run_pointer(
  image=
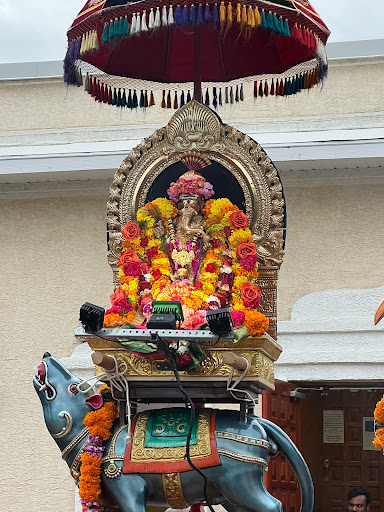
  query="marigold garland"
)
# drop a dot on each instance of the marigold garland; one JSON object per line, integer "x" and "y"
{"x": 99, "y": 424}
{"x": 378, "y": 441}
{"x": 379, "y": 411}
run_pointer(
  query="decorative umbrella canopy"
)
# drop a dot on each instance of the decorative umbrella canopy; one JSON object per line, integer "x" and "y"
{"x": 279, "y": 45}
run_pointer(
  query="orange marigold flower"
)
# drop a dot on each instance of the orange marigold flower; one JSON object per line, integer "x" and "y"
{"x": 90, "y": 480}
{"x": 379, "y": 411}
{"x": 256, "y": 323}
{"x": 99, "y": 422}
{"x": 207, "y": 207}
{"x": 379, "y": 439}
{"x": 130, "y": 315}
{"x": 126, "y": 279}
{"x": 113, "y": 319}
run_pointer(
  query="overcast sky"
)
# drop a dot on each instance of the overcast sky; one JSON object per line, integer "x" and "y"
{"x": 35, "y": 30}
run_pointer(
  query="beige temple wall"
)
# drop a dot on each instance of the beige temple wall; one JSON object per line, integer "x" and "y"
{"x": 53, "y": 259}
{"x": 335, "y": 239}
{"x": 53, "y": 255}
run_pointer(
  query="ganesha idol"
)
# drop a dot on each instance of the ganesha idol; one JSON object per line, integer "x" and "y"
{"x": 190, "y": 248}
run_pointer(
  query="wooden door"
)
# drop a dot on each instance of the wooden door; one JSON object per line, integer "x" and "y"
{"x": 285, "y": 412}
{"x": 337, "y": 467}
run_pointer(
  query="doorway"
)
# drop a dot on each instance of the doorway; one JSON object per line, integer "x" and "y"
{"x": 346, "y": 459}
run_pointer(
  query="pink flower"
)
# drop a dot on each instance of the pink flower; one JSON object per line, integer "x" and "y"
{"x": 237, "y": 318}
{"x": 118, "y": 307}
{"x": 194, "y": 321}
{"x": 248, "y": 263}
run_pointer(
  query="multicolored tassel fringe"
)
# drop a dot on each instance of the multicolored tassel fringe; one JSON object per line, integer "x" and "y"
{"x": 244, "y": 14}
{"x": 288, "y": 86}
{"x": 118, "y": 96}
{"x": 212, "y": 97}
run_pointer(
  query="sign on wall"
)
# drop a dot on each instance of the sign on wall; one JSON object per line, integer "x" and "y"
{"x": 333, "y": 426}
{"x": 368, "y": 433}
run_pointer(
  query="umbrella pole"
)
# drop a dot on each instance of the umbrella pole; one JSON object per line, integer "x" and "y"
{"x": 197, "y": 95}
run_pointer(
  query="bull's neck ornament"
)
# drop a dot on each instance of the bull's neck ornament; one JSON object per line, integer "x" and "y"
{"x": 82, "y": 435}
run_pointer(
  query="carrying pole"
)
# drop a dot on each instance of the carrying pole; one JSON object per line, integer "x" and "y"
{"x": 197, "y": 94}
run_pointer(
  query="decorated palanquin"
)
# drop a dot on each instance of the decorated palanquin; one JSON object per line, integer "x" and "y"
{"x": 196, "y": 215}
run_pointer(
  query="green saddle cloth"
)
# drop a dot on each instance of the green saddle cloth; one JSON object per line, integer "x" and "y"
{"x": 169, "y": 428}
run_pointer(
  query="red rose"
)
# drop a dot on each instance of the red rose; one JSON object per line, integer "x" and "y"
{"x": 211, "y": 267}
{"x": 119, "y": 294}
{"x": 249, "y": 293}
{"x": 131, "y": 230}
{"x": 156, "y": 274}
{"x": 239, "y": 220}
{"x": 245, "y": 249}
{"x": 128, "y": 256}
{"x": 132, "y": 269}
{"x": 253, "y": 304}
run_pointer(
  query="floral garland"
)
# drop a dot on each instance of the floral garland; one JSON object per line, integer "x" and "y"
{"x": 228, "y": 273}
{"x": 378, "y": 441}
{"x": 99, "y": 424}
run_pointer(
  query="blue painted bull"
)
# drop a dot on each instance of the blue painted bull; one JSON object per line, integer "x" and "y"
{"x": 238, "y": 483}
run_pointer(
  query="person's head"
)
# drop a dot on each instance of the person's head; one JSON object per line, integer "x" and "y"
{"x": 359, "y": 500}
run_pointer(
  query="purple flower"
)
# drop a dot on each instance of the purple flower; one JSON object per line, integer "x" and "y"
{"x": 96, "y": 440}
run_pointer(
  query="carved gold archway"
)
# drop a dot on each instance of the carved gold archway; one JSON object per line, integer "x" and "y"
{"x": 195, "y": 127}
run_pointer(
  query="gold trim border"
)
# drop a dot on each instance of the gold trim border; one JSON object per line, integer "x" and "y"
{"x": 173, "y": 491}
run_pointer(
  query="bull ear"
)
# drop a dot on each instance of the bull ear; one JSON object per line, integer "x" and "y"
{"x": 96, "y": 401}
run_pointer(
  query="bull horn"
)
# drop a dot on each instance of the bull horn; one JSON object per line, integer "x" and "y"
{"x": 380, "y": 312}
{"x": 68, "y": 427}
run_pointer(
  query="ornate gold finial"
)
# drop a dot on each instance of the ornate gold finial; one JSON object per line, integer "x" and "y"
{"x": 194, "y": 126}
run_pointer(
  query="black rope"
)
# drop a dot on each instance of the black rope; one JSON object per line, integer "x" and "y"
{"x": 167, "y": 351}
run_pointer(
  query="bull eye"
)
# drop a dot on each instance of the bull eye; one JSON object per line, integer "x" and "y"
{"x": 73, "y": 389}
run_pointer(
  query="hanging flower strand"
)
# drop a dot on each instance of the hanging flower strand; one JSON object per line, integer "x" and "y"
{"x": 99, "y": 425}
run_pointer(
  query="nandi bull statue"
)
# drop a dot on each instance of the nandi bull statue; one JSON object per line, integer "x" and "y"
{"x": 236, "y": 480}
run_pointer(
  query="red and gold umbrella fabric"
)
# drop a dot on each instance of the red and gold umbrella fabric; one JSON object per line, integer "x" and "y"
{"x": 279, "y": 45}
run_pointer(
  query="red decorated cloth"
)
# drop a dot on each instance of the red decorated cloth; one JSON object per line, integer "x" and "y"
{"x": 139, "y": 459}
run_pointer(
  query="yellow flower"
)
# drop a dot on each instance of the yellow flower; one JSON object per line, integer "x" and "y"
{"x": 154, "y": 243}
{"x": 239, "y": 236}
{"x": 220, "y": 206}
{"x": 238, "y": 281}
{"x": 133, "y": 286}
{"x": 239, "y": 307}
{"x": 166, "y": 208}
